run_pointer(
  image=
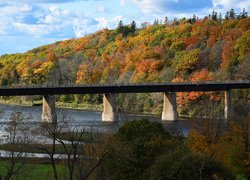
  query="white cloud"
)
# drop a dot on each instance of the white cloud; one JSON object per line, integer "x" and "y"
{"x": 100, "y": 8}
{"x": 179, "y": 7}
{"x": 11, "y": 14}
{"x": 36, "y": 30}
{"x": 56, "y": 23}
{"x": 41, "y": 1}
{"x": 36, "y": 22}
{"x": 122, "y": 2}
{"x": 109, "y": 23}
{"x": 147, "y": 6}
{"x": 14, "y": 9}
{"x": 102, "y": 22}
{"x": 228, "y": 4}
{"x": 56, "y": 16}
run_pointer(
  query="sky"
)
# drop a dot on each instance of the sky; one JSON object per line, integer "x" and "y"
{"x": 26, "y": 24}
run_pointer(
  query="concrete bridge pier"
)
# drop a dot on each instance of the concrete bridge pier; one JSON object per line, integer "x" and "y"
{"x": 169, "y": 112}
{"x": 49, "y": 110}
{"x": 228, "y": 110}
{"x": 109, "y": 108}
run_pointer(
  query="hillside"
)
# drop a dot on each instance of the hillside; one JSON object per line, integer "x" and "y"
{"x": 184, "y": 50}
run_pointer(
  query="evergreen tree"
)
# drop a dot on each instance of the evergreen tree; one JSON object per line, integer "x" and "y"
{"x": 232, "y": 14}
{"x": 126, "y": 29}
{"x": 156, "y": 22}
{"x": 227, "y": 15}
{"x": 243, "y": 14}
{"x": 220, "y": 17}
{"x": 214, "y": 16}
{"x": 193, "y": 19}
{"x": 166, "y": 20}
{"x": 120, "y": 26}
{"x": 175, "y": 21}
{"x": 133, "y": 26}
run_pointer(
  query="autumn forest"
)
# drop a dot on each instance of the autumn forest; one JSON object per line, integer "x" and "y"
{"x": 195, "y": 49}
{"x": 212, "y": 48}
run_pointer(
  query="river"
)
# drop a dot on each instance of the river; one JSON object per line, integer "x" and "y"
{"x": 90, "y": 120}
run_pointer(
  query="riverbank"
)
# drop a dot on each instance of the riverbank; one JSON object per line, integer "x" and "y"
{"x": 73, "y": 106}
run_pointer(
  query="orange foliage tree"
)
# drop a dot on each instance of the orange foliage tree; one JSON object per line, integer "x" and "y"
{"x": 208, "y": 137}
{"x": 147, "y": 70}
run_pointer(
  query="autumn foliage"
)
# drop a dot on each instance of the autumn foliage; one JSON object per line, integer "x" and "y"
{"x": 200, "y": 50}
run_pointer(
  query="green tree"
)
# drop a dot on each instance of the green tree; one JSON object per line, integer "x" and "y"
{"x": 227, "y": 15}
{"x": 143, "y": 150}
{"x": 133, "y": 26}
{"x": 134, "y": 149}
{"x": 186, "y": 61}
{"x": 126, "y": 29}
{"x": 220, "y": 17}
{"x": 156, "y": 22}
{"x": 243, "y": 45}
{"x": 232, "y": 14}
{"x": 243, "y": 14}
{"x": 181, "y": 164}
{"x": 165, "y": 20}
{"x": 193, "y": 19}
{"x": 120, "y": 26}
{"x": 214, "y": 16}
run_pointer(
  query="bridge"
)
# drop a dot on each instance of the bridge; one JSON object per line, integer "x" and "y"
{"x": 109, "y": 90}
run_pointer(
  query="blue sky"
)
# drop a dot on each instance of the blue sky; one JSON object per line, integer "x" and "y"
{"x": 26, "y": 24}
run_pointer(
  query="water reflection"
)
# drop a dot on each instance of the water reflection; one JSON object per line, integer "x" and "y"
{"x": 4, "y": 153}
{"x": 89, "y": 120}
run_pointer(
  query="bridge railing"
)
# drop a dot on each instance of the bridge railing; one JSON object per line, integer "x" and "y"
{"x": 124, "y": 84}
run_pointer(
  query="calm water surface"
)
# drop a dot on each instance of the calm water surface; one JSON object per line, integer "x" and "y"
{"x": 90, "y": 120}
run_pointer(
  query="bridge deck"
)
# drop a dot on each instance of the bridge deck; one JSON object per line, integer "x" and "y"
{"x": 124, "y": 88}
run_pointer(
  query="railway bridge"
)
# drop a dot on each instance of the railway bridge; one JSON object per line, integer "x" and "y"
{"x": 169, "y": 91}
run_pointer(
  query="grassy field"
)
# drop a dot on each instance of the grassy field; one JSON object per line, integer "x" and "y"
{"x": 36, "y": 172}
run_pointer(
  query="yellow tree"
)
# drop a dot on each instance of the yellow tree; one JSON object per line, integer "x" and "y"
{"x": 209, "y": 137}
{"x": 186, "y": 61}
{"x": 239, "y": 139}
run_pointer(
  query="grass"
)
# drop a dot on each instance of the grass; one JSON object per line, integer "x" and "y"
{"x": 14, "y": 101}
{"x": 81, "y": 106}
{"x": 241, "y": 177}
{"x": 35, "y": 171}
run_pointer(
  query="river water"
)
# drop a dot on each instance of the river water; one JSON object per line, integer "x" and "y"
{"x": 89, "y": 120}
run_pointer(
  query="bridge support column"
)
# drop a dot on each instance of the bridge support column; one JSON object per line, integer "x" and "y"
{"x": 169, "y": 112}
{"x": 109, "y": 108}
{"x": 49, "y": 110}
{"x": 228, "y": 110}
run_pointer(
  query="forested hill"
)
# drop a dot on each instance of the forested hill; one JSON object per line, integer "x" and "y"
{"x": 181, "y": 50}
